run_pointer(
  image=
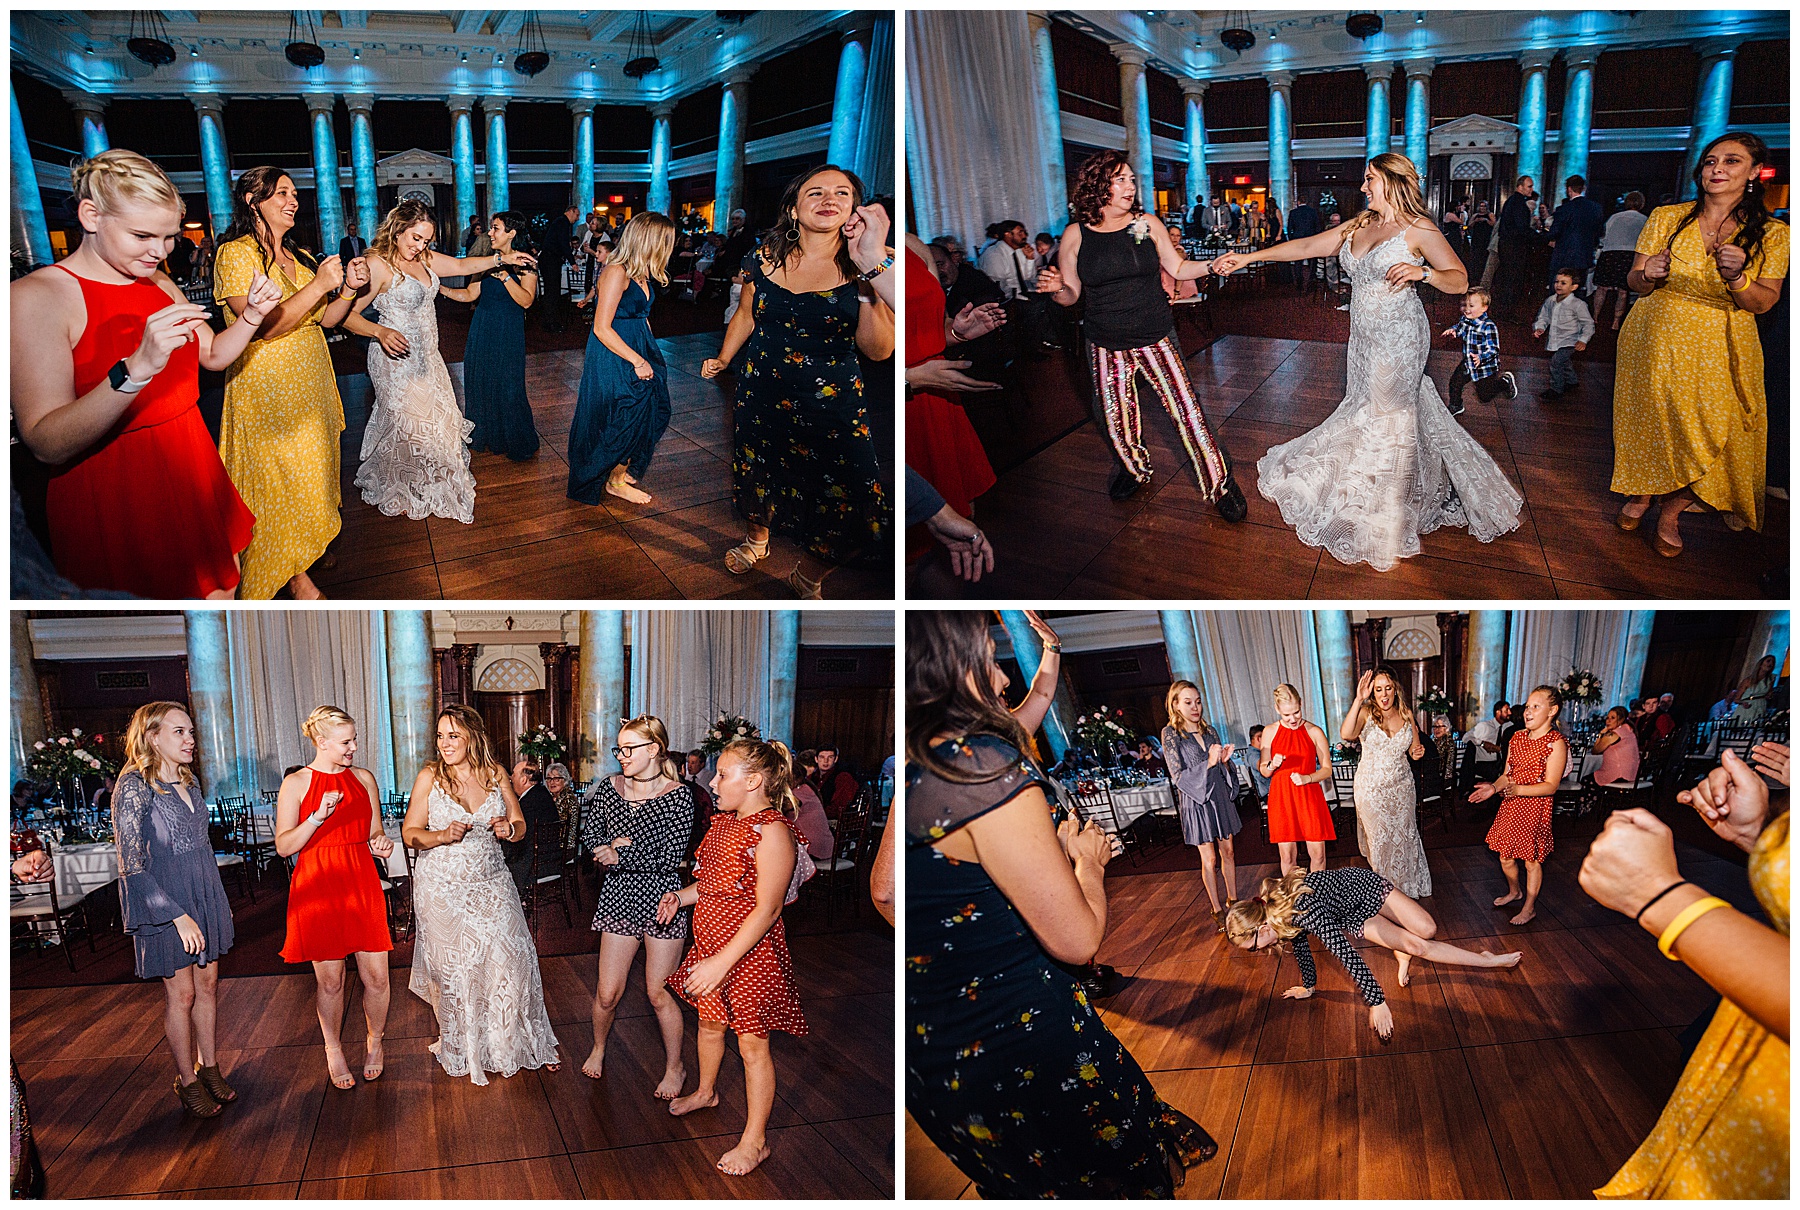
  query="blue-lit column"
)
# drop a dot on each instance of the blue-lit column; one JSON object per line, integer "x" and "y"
{"x": 29, "y": 228}
{"x": 1487, "y": 660}
{"x": 1630, "y": 680}
{"x": 1193, "y": 95}
{"x": 209, "y": 701}
{"x": 1134, "y": 93}
{"x": 1028, "y": 650}
{"x": 27, "y": 707}
{"x": 662, "y": 140}
{"x": 734, "y": 128}
{"x": 462, "y": 157}
{"x": 328, "y": 192}
{"x": 1049, "y": 105}
{"x": 847, "y": 102}
{"x": 1418, "y": 117}
{"x": 1577, "y": 120}
{"x": 90, "y": 111}
{"x": 362, "y": 163}
{"x": 784, "y": 674}
{"x": 582, "y": 193}
{"x": 1712, "y": 105}
{"x": 602, "y": 689}
{"x": 1534, "y": 104}
{"x": 1180, "y": 644}
{"x": 1378, "y": 123}
{"x": 410, "y": 691}
{"x": 1337, "y": 666}
{"x": 499, "y": 196}
{"x": 215, "y": 161}
{"x": 1281, "y": 138}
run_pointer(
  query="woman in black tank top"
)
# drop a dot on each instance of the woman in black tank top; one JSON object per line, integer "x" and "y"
{"x": 1114, "y": 253}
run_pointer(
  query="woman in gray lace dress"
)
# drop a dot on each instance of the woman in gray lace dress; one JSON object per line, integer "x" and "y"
{"x": 1390, "y": 464}
{"x": 169, "y": 890}
{"x": 1200, "y": 768}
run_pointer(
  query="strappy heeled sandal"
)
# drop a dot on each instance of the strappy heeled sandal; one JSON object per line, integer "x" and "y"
{"x": 805, "y": 589}
{"x": 216, "y": 1087}
{"x": 196, "y": 1100}
{"x": 745, "y": 555}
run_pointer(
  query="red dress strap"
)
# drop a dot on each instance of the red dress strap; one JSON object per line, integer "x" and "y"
{"x": 116, "y": 315}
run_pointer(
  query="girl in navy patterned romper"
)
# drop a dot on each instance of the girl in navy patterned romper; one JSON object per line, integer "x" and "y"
{"x": 803, "y": 458}
{"x": 1337, "y": 906}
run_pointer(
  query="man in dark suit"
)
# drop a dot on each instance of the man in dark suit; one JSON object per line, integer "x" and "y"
{"x": 1303, "y": 220}
{"x": 554, "y": 255}
{"x": 543, "y": 827}
{"x": 352, "y": 245}
{"x": 1575, "y": 232}
{"x": 1516, "y": 238}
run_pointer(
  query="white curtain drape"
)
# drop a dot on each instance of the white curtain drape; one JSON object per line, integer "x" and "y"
{"x": 688, "y": 665}
{"x": 283, "y": 664}
{"x": 1545, "y": 644}
{"x": 1244, "y": 654}
{"x": 874, "y": 161}
{"x": 973, "y": 132}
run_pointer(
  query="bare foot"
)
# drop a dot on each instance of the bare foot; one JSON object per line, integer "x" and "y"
{"x": 670, "y": 1088}
{"x": 1405, "y": 960}
{"x": 1509, "y": 897}
{"x": 742, "y": 1159}
{"x": 374, "y": 1059}
{"x": 621, "y": 487}
{"x": 596, "y": 1063}
{"x": 339, "y": 1067}
{"x": 697, "y": 1099}
{"x": 1525, "y": 916}
{"x": 1508, "y": 960}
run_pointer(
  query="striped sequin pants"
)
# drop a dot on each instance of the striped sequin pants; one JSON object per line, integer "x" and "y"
{"x": 1115, "y": 388}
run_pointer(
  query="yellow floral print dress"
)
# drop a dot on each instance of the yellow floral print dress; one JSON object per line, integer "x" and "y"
{"x": 279, "y": 435}
{"x": 1688, "y": 402}
{"x": 1724, "y": 1132}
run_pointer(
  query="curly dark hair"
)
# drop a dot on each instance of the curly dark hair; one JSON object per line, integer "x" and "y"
{"x": 1750, "y": 214}
{"x": 1093, "y": 185}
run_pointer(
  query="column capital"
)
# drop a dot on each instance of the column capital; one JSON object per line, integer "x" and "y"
{"x": 1037, "y": 19}
{"x": 1128, "y": 55}
{"x": 495, "y": 103}
{"x": 861, "y": 25}
{"x": 581, "y": 107}
{"x": 1419, "y": 67}
{"x": 1378, "y": 71}
{"x": 208, "y": 102}
{"x": 662, "y": 109}
{"x": 459, "y": 105}
{"x": 359, "y": 102}
{"x": 740, "y": 74}
{"x": 1536, "y": 59}
{"x": 1718, "y": 48}
{"x": 1194, "y": 88}
{"x": 1580, "y": 56}
{"x": 319, "y": 102}
{"x": 85, "y": 102}
{"x": 1279, "y": 79}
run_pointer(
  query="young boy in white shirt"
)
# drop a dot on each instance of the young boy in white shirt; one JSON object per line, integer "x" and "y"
{"x": 1569, "y": 325}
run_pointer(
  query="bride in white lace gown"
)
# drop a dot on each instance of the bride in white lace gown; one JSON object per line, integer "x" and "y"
{"x": 474, "y": 959}
{"x": 1390, "y": 463}
{"x": 1387, "y": 817}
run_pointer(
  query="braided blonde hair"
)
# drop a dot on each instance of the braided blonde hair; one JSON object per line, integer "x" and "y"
{"x": 115, "y": 179}
{"x": 323, "y": 719}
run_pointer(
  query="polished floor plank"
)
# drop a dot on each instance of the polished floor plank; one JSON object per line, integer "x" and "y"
{"x": 1672, "y": 992}
{"x": 546, "y": 1178}
{"x": 1199, "y": 1014}
{"x": 930, "y": 1176}
{"x": 845, "y": 1066}
{"x": 1333, "y": 1023}
{"x": 801, "y": 1164}
{"x": 60, "y": 1094}
{"x": 115, "y": 1019}
{"x": 866, "y": 1142}
{"x": 285, "y": 1191}
{"x": 1215, "y": 1098}
{"x": 1559, "y": 989}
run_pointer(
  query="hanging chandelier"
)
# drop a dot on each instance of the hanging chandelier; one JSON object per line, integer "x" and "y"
{"x": 641, "y": 57}
{"x": 1363, "y": 25}
{"x": 1236, "y": 35}
{"x": 150, "y": 43}
{"x": 535, "y": 56}
{"x": 304, "y": 53}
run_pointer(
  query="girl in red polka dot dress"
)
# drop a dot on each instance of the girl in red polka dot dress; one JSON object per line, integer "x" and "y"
{"x": 738, "y": 974}
{"x": 1535, "y": 760}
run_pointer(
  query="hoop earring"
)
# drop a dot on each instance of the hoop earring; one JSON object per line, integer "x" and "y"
{"x": 792, "y": 235}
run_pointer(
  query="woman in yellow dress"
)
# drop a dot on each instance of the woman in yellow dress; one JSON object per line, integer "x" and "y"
{"x": 1690, "y": 420}
{"x": 283, "y": 415}
{"x": 1724, "y": 1131}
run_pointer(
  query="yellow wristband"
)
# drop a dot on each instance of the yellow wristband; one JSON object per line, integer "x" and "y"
{"x": 1745, "y": 278}
{"x": 1679, "y": 925}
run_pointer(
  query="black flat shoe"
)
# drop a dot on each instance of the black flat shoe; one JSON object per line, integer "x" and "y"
{"x": 1231, "y": 503}
{"x": 1121, "y": 486}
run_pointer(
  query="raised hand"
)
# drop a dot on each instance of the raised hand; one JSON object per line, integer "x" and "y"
{"x": 1275, "y": 761}
{"x": 973, "y": 322}
{"x": 328, "y": 802}
{"x": 1049, "y": 281}
{"x": 356, "y": 273}
{"x": 382, "y": 846}
{"x": 1364, "y": 685}
{"x": 1771, "y": 759}
{"x": 1732, "y": 800}
{"x": 1657, "y": 267}
{"x": 1731, "y": 260}
{"x": 1041, "y": 628}
{"x": 331, "y": 273}
{"x": 1632, "y": 860}
{"x": 865, "y": 235}
{"x": 263, "y": 295}
{"x": 164, "y": 332}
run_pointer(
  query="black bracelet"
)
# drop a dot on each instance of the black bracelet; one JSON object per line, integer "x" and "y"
{"x": 1639, "y": 918}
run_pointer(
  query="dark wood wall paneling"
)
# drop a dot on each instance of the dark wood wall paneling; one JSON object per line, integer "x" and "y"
{"x": 1484, "y": 86}
{"x": 72, "y": 694}
{"x": 1133, "y": 679}
{"x": 1759, "y": 83}
{"x": 694, "y": 126}
{"x": 1087, "y": 75}
{"x": 845, "y": 696}
{"x": 1237, "y": 111}
{"x": 1653, "y": 86}
{"x": 1168, "y": 108}
{"x": 50, "y": 123}
{"x": 795, "y": 89}
{"x": 1696, "y": 654}
{"x": 1328, "y": 104}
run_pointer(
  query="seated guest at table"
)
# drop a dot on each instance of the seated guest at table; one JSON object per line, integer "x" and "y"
{"x": 1147, "y": 759}
{"x": 815, "y": 825}
{"x": 1755, "y": 692}
{"x": 1617, "y": 748}
{"x": 1646, "y": 722}
{"x": 1665, "y": 716}
{"x": 103, "y": 796}
{"x": 1724, "y": 706}
{"x": 836, "y": 785}
{"x": 173, "y": 902}
{"x": 1445, "y": 743}
{"x": 1485, "y": 749}
{"x": 568, "y": 805}
{"x": 543, "y": 828}
{"x": 1199, "y": 766}
{"x": 326, "y": 820}
{"x": 639, "y": 830}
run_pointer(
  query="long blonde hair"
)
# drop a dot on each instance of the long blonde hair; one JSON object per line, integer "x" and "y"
{"x": 652, "y": 729}
{"x": 140, "y": 757}
{"x": 481, "y": 749}
{"x": 644, "y": 247}
{"x": 1176, "y": 721}
{"x": 409, "y": 213}
{"x": 323, "y": 719}
{"x": 772, "y": 759}
{"x": 1276, "y": 905}
{"x": 114, "y": 179}
{"x": 1400, "y": 180}
{"x": 1400, "y": 706}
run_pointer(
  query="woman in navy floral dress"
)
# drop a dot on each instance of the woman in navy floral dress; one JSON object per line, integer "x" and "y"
{"x": 803, "y": 458}
{"x": 1009, "y": 1069}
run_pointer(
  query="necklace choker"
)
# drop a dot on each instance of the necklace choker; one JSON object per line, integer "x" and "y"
{"x": 652, "y": 777}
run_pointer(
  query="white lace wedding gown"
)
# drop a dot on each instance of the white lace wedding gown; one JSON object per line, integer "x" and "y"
{"x": 415, "y": 452}
{"x": 1390, "y": 463}
{"x": 474, "y": 960}
{"x": 1387, "y": 817}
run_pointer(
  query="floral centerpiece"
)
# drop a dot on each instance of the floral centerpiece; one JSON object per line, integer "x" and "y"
{"x": 1435, "y": 701}
{"x": 543, "y": 746}
{"x": 62, "y": 757}
{"x": 1580, "y": 685}
{"x": 1100, "y": 729}
{"x": 727, "y": 728}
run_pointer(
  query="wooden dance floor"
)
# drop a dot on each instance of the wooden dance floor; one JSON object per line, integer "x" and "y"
{"x": 1056, "y": 533}
{"x": 1532, "y": 1083}
{"x": 530, "y": 541}
{"x": 107, "y": 1124}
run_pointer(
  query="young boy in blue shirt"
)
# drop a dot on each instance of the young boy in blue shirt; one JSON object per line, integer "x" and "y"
{"x": 1480, "y": 362}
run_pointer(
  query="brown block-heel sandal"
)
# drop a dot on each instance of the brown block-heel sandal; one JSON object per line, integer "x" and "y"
{"x": 214, "y": 1082}
{"x": 196, "y": 1100}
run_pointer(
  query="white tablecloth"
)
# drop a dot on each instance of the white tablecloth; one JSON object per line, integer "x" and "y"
{"x": 82, "y": 869}
{"x": 396, "y": 861}
{"x": 1134, "y": 802}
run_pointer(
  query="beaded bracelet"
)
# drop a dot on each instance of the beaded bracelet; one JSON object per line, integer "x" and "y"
{"x": 878, "y": 270}
{"x": 1679, "y": 925}
{"x": 1639, "y": 918}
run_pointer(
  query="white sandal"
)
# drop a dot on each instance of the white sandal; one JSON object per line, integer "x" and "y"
{"x": 745, "y": 555}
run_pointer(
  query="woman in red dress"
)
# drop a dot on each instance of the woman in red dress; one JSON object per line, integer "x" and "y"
{"x": 1535, "y": 760}
{"x": 940, "y": 442}
{"x": 1296, "y": 759}
{"x": 739, "y": 974}
{"x": 106, "y": 357}
{"x": 325, "y": 814}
